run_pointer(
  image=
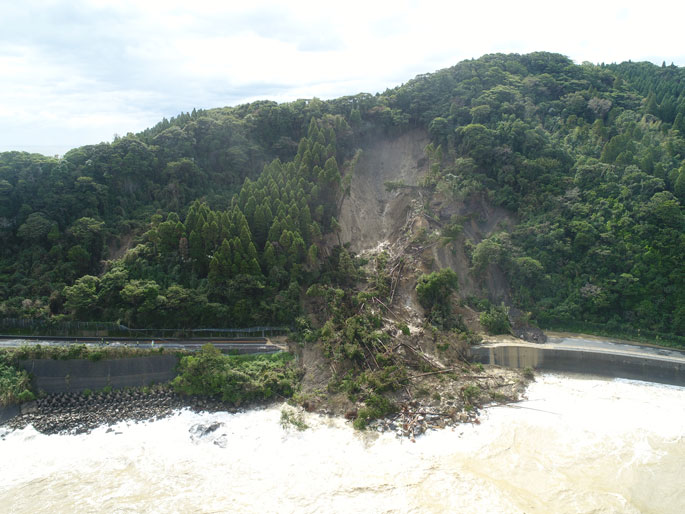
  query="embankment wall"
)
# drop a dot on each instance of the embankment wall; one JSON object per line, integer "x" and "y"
{"x": 76, "y": 375}
{"x": 578, "y": 361}
{"x": 8, "y": 412}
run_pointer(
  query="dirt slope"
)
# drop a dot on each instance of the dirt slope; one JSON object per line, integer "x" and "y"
{"x": 370, "y": 215}
{"x": 407, "y": 222}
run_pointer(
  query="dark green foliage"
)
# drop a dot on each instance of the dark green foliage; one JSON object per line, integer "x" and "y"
{"x": 237, "y": 379}
{"x": 435, "y": 295}
{"x": 587, "y": 159}
{"x": 241, "y": 266}
{"x": 436, "y": 287}
{"x": 232, "y": 261}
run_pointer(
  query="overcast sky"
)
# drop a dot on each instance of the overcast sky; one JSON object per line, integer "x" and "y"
{"x": 76, "y": 72}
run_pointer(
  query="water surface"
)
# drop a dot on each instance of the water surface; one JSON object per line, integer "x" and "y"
{"x": 576, "y": 445}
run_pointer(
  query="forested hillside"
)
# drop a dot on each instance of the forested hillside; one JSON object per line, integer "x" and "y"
{"x": 226, "y": 217}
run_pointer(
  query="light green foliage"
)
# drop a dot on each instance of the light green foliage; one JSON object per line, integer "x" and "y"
{"x": 496, "y": 320}
{"x": 470, "y": 394}
{"x": 15, "y": 385}
{"x": 679, "y": 185}
{"x": 82, "y": 296}
{"x": 492, "y": 250}
{"x": 354, "y": 340}
{"x": 75, "y": 351}
{"x": 451, "y": 231}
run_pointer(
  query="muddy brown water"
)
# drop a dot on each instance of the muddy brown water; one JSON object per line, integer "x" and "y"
{"x": 577, "y": 444}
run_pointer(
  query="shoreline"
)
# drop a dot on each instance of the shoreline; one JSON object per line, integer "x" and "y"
{"x": 79, "y": 413}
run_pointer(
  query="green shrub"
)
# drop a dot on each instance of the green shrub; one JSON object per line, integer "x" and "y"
{"x": 77, "y": 351}
{"x": 236, "y": 379}
{"x": 96, "y": 355}
{"x": 496, "y": 320}
{"x": 435, "y": 295}
{"x": 15, "y": 385}
{"x": 470, "y": 393}
{"x": 437, "y": 287}
{"x": 376, "y": 407}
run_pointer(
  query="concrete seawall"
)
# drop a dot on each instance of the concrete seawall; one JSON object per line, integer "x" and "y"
{"x": 636, "y": 367}
{"x": 76, "y": 375}
{"x": 8, "y": 412}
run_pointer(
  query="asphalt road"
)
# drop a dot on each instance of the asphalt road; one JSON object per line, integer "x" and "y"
{"x": 600, "y": 344}
{"x": 251, "y": 345}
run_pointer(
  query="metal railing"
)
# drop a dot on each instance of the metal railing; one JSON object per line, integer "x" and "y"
{"x": 21, "y": 326}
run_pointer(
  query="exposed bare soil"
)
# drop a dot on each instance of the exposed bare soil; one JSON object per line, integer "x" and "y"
{"x": 118, "y": 247}
{"x": 371, "y": 215}
{"x": 407, "y": 222}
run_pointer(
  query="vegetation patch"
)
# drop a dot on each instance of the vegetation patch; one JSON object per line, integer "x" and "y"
{"x": 225, "y": 217}
{"x": 496, "y": 320}
{"x": 237, "y": 379}
{"x": 435, "y": 291}
{"x": 79, "y": 351}
{"x": 15, "y": 384}
{"x": 292, "y": 418}
{"x": 377, "y": 406}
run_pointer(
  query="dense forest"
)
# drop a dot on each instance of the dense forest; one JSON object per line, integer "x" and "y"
{"x": 226, "y": 217}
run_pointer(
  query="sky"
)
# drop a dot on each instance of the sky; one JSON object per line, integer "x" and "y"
{"x": 77, "y": 72}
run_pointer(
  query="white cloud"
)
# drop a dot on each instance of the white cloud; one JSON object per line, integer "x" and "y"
{"x": 77, "y": 72}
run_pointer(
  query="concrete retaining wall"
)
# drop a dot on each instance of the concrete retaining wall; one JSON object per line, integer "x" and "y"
{"x": 579, "y": 361}
{"x": 75, "y": 375}
{"x": 7, "y": 413}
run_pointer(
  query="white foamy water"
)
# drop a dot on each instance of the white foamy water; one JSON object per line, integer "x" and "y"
{"x": 576, "y": 445}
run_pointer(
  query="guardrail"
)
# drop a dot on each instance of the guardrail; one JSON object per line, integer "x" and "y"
{"x": 19, "y": 326}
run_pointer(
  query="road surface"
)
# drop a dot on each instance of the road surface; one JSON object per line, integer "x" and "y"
{"x": 243, "y": 345}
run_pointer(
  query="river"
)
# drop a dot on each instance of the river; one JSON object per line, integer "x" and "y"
{"x": 577, "y": 444}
